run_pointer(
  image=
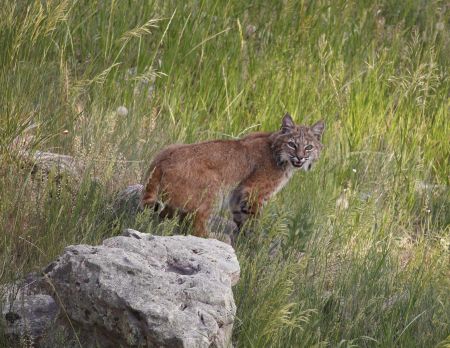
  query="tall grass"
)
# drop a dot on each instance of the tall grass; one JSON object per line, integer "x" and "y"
{"x": 362, "y": 242}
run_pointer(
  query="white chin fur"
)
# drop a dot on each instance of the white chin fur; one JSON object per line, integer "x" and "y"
{"x": 307, "y": 166}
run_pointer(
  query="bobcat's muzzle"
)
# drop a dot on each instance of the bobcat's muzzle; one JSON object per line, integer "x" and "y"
{"x": 298, "y": 162}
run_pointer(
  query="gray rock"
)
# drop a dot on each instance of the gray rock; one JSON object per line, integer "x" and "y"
{"x": 222, "y": 229}
{"x": 62, "y": 165}
{"x": 26, "y": 313}
{"x": 143, "y": 290}
{"x": 127, "y": 201}
{"x": 29, "y": 316}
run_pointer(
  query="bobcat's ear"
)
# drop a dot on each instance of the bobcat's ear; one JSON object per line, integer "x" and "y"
{"x": 318, "y": 129}
{"x": 287, "y": 123}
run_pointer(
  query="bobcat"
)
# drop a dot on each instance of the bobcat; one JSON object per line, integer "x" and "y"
{"x": 188, "y": 178}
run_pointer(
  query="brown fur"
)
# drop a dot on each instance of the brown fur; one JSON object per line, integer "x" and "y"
{"x": 189, "y": 178}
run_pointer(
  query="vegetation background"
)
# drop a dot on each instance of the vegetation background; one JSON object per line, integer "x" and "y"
{"x": 363, "y": 239}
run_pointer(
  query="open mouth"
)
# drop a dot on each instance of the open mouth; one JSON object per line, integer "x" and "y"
{"x": 296, "y": 162}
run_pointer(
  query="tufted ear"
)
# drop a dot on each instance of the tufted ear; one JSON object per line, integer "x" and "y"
{"x": 287, "y": 123}
{"x": 318, "y": 129}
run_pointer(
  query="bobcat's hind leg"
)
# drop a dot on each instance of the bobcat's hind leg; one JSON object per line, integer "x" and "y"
{"x": 149, "y": 197}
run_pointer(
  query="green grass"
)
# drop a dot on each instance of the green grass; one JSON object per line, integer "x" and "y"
{"x": 364, "y": 238}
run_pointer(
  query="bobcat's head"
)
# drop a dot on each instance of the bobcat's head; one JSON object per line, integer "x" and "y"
{"x": 297, "y": 146}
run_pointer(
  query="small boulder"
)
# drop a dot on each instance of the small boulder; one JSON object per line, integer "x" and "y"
{"x": 127, "y": 201}
{"x": 27, "y": 313}
{"x": 144, "y": 290}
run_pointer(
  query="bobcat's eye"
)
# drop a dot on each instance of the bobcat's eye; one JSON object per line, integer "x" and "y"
{"x": 292, "y": 145}
{"x": 308, "y": 147}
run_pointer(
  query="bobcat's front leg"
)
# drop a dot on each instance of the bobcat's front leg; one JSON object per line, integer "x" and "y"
{"x": 200, "y": 219}
{"x": 243, "y": 205}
